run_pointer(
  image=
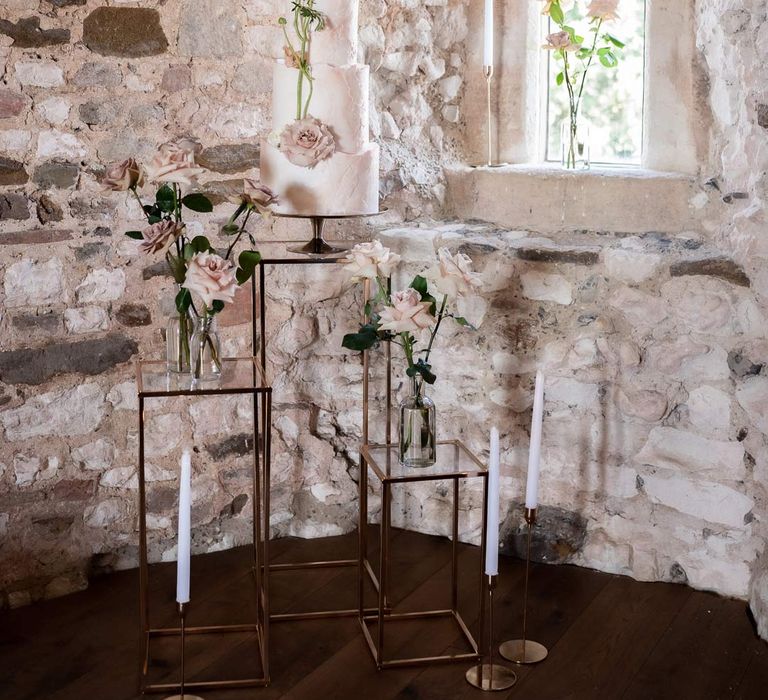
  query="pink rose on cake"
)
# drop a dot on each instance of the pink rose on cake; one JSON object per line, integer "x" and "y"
{"x": 212, "y": 278}
{"x": 306, "y": 142}
{"x": 175, "y": 162}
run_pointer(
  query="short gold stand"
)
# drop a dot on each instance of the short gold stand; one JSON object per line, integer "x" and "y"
{"x": 524, "y": 651}
{"x": 491, "y": 676}
{"x": 488, "y": 72}
{"x": 318, "y": 245}
{"x": 182, "y": 617}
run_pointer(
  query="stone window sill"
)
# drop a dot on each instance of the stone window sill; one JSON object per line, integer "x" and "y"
{"x": 547, "y": 198}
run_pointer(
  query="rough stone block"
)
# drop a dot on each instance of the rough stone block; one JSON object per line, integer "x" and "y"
{"x": 211, "y": 28}
{"x": 230, "y": 159}
{"x": 133, "y": 315}
{"x": 542, "y": 286}
{"x": 28, "y": 283}
{"x": 14, "y": 206}
{"x": 558, "y": 536}
{"x": 88, "y": 319}
{"x": 95, "y": 74}
{"x": 101, "y": 285}
{"x": 88, "y": 357}
{"x": 12, "y": 172}
{"x": 11, "y": 104}
{"x": 34, "y": 236}
{"x": 76, "y": 411}
{"x": 176, "y": 79}
{"x": 44, "y": 74}
{"x": 723, "y": 268}
{"x": 56, "y": 174}
{"x": 27, "y": 34}
{"x": 60, "y": 145}
{"x": 125, "y": 31}
{"x": 47, "y": 210}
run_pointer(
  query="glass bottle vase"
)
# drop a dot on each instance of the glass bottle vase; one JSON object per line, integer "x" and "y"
{"x": 206, "y": 349}
{"x": 417, "y": 434}
{"x": 178, "y": 334}
{"x": 574, "y": 144}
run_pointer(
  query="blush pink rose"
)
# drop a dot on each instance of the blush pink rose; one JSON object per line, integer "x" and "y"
{"x": 158, "y": 237}
{"x": 605, "y": 10}
{"x": 454, "y": 276}
{"x": 408, "y": 314}
{"x": 212, "y": 278}
{"x": 370, "y": 261}
{"x": 175, "y": 162}
{"x": 561, "y": 41}
{"x": 120, "y": 177}
{"x": 306, "y": 142}
{"x": 256, "y": 195}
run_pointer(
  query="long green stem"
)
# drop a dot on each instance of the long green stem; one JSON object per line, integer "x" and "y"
{"x": 589, "y": 63}
{"x": 240, "y": 233}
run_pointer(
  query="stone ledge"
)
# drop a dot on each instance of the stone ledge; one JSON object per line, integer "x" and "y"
{"x": 548, "y": 199}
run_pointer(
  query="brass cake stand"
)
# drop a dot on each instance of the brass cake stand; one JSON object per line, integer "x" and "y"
{"x": 318, "y": 245}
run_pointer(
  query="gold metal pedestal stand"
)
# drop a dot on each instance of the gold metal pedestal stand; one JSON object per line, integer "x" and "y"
{"x": 183, "y": 626}
{"x": 491, "y": 676}
{"x": 525, "y": 651}
{"x": 318, "y": 245}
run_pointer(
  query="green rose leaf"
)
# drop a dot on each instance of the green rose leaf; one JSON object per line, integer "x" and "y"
{"x": 166, "y": 199}
{"x": 618, "y": 43}
{"x": 247, "y": 263}
{"x": 366, "y": 338}
{"x": 230, "y": 229}
{"x": 183, "y": 301}
{"x": 609, "y": 59}
{"x": 420, "y": 285}
{"x": 463, "y": 322}
{"x": 424, "y": 370}
{"x": 559, "y": 78}
{"x": 136, "y": 235}
{"x": 556, "y": 13}
{"x": 200, "y": 244}
{"x": 217, "y": 306}
{"x": 198, "y": 202}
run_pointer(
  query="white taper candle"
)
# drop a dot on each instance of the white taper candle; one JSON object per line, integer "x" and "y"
{"x": 534, "y": 452}
{"x": 492, "y": 535}
{"x": 488, "y": 34}
{"x": 185, "y": 529}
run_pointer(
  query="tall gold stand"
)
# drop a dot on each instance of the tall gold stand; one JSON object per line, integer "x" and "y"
{"x": 183, "y": 626}
{"x": 491, "y": 676}
{"x": 525, "y": 651}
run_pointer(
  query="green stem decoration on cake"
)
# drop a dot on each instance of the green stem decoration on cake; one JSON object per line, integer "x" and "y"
{"x": 306, "y": 19}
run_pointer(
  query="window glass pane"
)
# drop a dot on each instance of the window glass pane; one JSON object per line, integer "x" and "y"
{"x": 612, "y": 100}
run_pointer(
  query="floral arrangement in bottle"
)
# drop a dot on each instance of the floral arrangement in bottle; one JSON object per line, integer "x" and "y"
{"x": 306, "y": 141}
{"x": 412, "y": 319}
{"x": 575, "y": 51}
{"x": 196, "y": 267}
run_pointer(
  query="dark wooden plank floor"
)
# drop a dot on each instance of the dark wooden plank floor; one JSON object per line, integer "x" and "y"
{"x": 609, "y": 637}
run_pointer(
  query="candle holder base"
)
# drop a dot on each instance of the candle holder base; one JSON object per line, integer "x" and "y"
{"x": 186, "y": 696}
{"x": 523, "y": 651}
{"x": 491, "y": 677}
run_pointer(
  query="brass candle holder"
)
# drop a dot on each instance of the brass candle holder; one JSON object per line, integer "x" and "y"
{"x": 183, "y": 625}
{"x": 489, "y": 163}
{"x": 491, "y": 676}
{"x": 525, "y": 651}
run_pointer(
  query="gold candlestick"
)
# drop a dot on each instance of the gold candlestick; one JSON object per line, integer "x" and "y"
{"x": 182, "y": 618}
{"x": 489, "y": 162}
{"x": 525, "y": 651}
{"x": 491, "y": 676}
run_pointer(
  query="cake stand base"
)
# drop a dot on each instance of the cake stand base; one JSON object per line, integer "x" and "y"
{"x": 318, "y": 246}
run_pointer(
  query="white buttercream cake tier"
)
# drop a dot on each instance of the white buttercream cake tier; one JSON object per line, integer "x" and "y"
{"x": 337, "y": 43}
{"x": 345, "y": 184}
{"x": 339, "y": 100}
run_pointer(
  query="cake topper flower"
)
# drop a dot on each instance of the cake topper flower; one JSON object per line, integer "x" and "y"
{"x": 306, "y": 142}
{"x": 306, "y": 19}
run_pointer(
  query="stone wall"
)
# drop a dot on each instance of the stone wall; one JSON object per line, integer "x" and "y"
{"x": 84, "y": 83}
{"x": 652, "y": 333}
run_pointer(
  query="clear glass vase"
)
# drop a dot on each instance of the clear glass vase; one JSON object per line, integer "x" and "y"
{"x": 178, "y": 335}
{"x": 574, "y": 144}
{"x": 206, "y": 349}
{"x": 417, "y": 436}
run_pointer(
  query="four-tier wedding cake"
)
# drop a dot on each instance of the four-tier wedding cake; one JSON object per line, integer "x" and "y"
{"x": 319, "y": 159}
